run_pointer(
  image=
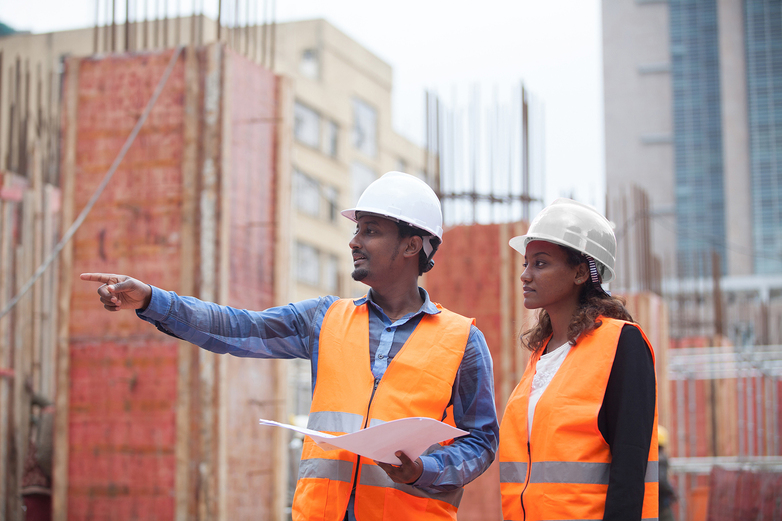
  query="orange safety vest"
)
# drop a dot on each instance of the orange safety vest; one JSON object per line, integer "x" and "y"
{"x": 561, "y": 472}
{"x": 418, "y": 382}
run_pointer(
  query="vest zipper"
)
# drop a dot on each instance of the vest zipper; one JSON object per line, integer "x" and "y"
{"x": 366, "y": 422}
{"x": 526, "y": 480}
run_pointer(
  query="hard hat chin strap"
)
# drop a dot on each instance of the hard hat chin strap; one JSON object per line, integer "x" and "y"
{"x": 427, "y": 246}
{"x": 595, "y": 276}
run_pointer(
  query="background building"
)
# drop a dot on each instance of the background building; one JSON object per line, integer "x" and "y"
{"x": 694, "y": 184}
{"x": 692, "y": 119}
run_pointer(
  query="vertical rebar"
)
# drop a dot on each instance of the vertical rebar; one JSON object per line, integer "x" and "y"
{"x": 96, "y": 32}
{"x": 219, "y": 19}
{"x": 113, "y": 25}
{"x": 165, "y": 24}
{"x": 235, "y": 27}
{"x": 146, "y": 24}
{"x": 273, "y": 34}
{"x": 107, "y": 29}
{"x": 246, "y": 32}
{"x": 127, "y": 25}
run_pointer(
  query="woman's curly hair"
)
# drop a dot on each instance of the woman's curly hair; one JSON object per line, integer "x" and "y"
{"x": 593, "y": 302}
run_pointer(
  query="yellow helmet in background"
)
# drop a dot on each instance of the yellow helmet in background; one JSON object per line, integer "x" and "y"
{"x": 662, "y": 436}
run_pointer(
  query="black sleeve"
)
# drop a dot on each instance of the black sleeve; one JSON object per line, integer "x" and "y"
{"x": 626, "y": 421}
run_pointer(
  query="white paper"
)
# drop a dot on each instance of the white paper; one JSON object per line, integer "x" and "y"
{"x": 410, "y": 435}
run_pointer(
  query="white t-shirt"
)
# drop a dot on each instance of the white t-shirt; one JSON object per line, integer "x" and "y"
{"x": 547, "y": 367}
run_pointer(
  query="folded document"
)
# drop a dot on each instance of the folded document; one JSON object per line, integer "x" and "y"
{"x": 410, "y": 435}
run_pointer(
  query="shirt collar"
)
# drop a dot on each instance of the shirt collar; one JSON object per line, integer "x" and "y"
{"x": 427, "y": 307}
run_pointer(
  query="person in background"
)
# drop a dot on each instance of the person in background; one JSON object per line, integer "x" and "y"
{"x": 578, "y": 438}
{"x": 390, "y": 354}
{"x": 667, "y": 493}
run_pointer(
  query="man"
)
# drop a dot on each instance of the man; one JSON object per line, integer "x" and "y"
{"x": 390, "y": 354}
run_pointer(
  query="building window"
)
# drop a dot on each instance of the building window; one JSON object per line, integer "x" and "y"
{"x": 330, "y": 133}
{"x": 306, "y": 194}
{"x": 361, "y": 176}
{"x": 331, "y": 196}
{"x": 306, "y": 125}
{"x": 401, "y": 165}
{"x": 314, "y": 198}
{"x": 307, "y": 129}
{"x": 331, "y": 274}
{"x": 317, "y": 268}
{"x": 307, "y": 264}
{"x": 364, "y": 128}
{"x": 309, "y": 66}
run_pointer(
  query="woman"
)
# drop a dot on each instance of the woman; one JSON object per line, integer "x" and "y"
{"x": 578, "y": 437}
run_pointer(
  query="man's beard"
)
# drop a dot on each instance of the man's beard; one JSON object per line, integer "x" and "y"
{"x": 359, "y": 274}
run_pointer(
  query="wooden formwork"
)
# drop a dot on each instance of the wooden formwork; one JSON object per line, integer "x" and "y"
{"x": 29, "y": 220}
{"x": 193, "y": 208}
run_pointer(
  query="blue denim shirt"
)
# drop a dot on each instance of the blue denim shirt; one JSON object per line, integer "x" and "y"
{"x": 293, "y": 331}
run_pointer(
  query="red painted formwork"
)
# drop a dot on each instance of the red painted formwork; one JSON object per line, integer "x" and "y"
{"x": 743, "y": 495}
{"x": 123, "y": 380}
{"x": 467, "y": 279}
{"x": 124, "y": 373}
{"x": 251, "y": 392}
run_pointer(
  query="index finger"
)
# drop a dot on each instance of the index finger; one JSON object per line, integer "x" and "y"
{"x": 105, "y": 278}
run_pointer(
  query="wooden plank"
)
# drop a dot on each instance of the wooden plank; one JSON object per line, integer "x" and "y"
{"x": 507, "y": 344}
{"x": 188, "y": 252}
{"x": 62, "y": 399}
{"x": 524, "y": 318}
{"x": 37, "y": 259}
{"x": 208, "y": 276}
{"x": 283, "y": 283}
{"x": 224, "y": 267}
{"x": 6, "y": 238}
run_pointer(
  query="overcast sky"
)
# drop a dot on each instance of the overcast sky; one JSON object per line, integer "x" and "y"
{"x": 553, "y": 46}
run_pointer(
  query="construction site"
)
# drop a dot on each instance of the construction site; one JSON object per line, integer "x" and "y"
{"x": 211, "y": 157}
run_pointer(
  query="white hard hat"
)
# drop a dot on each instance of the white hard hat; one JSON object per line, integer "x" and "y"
{"x": 401, "y": 197}
{"x": 569, "y": 223}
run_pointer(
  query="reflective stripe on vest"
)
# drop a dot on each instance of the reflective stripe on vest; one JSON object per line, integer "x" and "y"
{"x": 565, "y": 472}
{"x": 374, "y": 476}
{"x": 418, "y": 382}
{"x": 567, "y": 477}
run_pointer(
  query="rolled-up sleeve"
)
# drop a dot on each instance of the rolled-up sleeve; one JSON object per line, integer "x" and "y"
{"x": 474, "y": 410}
